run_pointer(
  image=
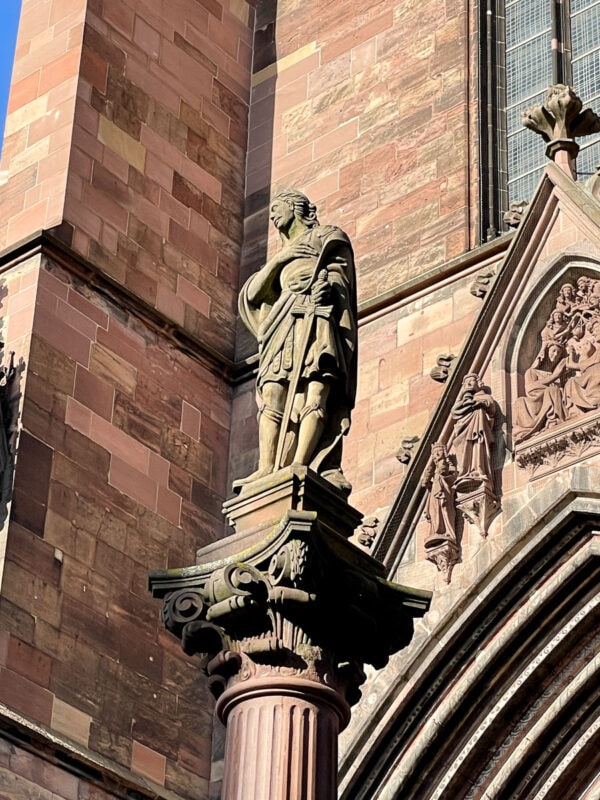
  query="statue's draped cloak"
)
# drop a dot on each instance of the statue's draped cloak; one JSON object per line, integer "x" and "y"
{"x": 297, "y": 345}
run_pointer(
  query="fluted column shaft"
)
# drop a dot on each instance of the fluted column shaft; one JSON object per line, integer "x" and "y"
{"x": 281, "y": 741}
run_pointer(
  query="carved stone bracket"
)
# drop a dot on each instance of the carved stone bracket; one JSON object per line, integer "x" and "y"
{"x": 515, "y": 213}
{"x": 478, "y": 507}
{"x": 482, "y": 283}
{"x": 441, "y": 370}
{"x": 297, "y": 599}
{"x": 405, "y": 451}
{"x": 444, "y": 556}
{"x": 368, "y": 531}
{"x": 568, "y": 443}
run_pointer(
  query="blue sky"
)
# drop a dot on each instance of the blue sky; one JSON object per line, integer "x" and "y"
{"x": 8, "y": 35}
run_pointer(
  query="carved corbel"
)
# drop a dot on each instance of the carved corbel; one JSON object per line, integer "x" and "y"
{"x": 405, "y": 451}
{"x": 441, "y": 371}
{"x": 368, "y": 531}
{"x": 482, "y": 283}
{"x": 478, "y": 507}
{"x": 444, "y": 556}
{"x": 515, "y": 213}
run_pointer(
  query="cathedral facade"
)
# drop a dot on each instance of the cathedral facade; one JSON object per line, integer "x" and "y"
{"x": 145, "y": 142}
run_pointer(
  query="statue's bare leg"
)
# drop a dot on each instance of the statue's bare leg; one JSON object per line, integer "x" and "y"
{"x": 312, "y": 422}
{"x": 269, "y": 427}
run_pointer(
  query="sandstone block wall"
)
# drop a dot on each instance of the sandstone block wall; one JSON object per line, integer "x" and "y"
{"x": 120, "y": 470}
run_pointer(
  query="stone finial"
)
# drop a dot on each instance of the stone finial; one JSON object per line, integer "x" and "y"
{"x": 515, "y": 213}
{"x": 558, "y": 120}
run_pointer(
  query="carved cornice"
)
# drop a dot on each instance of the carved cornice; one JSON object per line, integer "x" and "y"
{"x": 46, "y": 243}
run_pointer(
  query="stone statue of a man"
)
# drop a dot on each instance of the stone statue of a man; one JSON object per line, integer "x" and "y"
{"x": 301, "y": 307}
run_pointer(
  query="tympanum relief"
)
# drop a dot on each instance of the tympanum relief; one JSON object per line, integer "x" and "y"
{"x": 562, "y": 383}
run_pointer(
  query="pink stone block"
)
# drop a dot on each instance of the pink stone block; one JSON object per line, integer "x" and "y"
{"x": 133, "y": 483}
{"x": 148, "y": 762}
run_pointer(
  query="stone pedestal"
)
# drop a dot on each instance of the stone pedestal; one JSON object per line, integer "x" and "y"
{"x": 285, "y": 613}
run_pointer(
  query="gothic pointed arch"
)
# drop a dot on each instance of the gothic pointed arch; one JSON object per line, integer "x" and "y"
{"x": 503, "y": 699}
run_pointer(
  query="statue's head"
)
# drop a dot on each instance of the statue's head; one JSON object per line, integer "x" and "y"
{"x": 567, "y": 291}
{"x": 472, "y": 382}
{"x": 299, "y": 205}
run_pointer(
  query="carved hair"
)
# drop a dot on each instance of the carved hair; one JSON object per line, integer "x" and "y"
{"x": 300, "y": 204}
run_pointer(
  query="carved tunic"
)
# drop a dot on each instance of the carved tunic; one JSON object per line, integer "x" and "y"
{"x": 300, "y": 340}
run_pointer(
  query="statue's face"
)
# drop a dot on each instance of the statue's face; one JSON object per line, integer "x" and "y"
{"x": 553, "y": 353}
{"x": 470, "y": 383}
{"x": 282, "y": 215}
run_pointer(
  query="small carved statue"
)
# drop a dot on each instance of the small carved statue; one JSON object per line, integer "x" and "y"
{"x": 473, "y": 437}
{"x": 301, "y": 307}
{"x": 440, "y": 510}
{"x": 582, "y": 389}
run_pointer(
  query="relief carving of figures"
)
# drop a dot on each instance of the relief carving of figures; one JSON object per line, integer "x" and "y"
{"x": 473, "y": 438}
{"x": 439, "y": 510}
{"x": 582, "y": 389}
{"x": 441, "y": 543}
{"x": 542, "y": 407}
{"x": 563, "y": 382}
{"x": 301, "y": 307}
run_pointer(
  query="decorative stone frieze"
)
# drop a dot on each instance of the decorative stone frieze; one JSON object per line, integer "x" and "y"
{"x": 562, "y": 446}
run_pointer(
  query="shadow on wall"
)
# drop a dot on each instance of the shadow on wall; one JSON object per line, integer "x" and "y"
{"x": 259, "y": 161}
{"x": 10, "y": 394}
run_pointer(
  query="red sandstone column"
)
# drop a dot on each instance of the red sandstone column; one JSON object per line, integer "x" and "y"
{"x": 281, "y": 739}
{"x": 285, "y": 613}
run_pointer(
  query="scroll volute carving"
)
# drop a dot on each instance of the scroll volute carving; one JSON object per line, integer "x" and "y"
{"x": 562, "y": 381}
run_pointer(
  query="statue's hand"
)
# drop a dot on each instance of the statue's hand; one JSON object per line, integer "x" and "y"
{"x": 299, "y": 250}
{"x": 321, "y": 290}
